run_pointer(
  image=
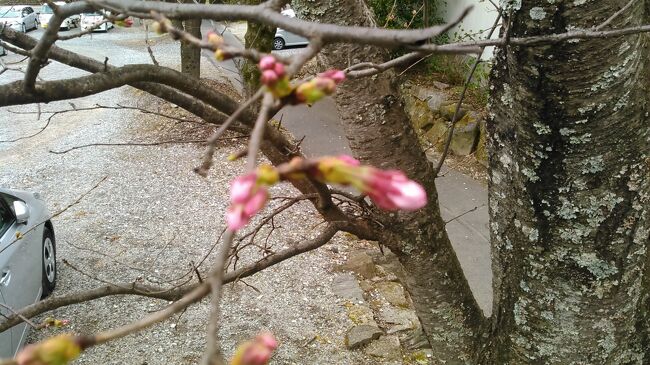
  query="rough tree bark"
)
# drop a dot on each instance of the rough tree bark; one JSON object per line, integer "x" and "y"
{"x": 259, "y": 37}
{"x": 190, "y": 55}
{"x": 569, "y": 174}
{"x": 380, "y": 134}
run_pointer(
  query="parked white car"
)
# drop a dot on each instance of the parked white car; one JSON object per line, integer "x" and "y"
{"x": 46, "y": 13}
{"x": 89, "y": 20}
{"x": 27, "y": 260}
{"x": 285, "y": 38}
{"x": 19, "y": 18}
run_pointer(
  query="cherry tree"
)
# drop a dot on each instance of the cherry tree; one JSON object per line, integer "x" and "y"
{"x": 568, "y": 171}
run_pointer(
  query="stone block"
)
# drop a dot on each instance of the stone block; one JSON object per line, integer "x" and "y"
{"x": 361, "y": 335}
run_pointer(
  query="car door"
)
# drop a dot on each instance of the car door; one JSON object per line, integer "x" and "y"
{"x": 32, "y": 17}
{"x": 6, "y": 344}
{"x": 20, "y": 263}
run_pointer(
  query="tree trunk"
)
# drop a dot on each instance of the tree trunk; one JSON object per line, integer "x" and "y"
{"x": 380, "y": 134}
{"x": 258, "y": 37}
{"x": 569, "y": 191}
{"x": 191, "y": 55}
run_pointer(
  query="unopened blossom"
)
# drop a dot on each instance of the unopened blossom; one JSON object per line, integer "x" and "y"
{"x": 256, "y": 352}
{"x": 272, "y": 70}
{"x": 248, "y": 195}
{"x": 392, "y": 190}
{"x": 388, "y": 189}
{"x": 267, "y": 63}
{"x": 59, "y": 350}
{"x": 162, "y": 27}
{"x": 239, "y": 214}
{"x": 274, "y": 76}
{"x": 53, "y": 322}
{"x": 269, "y": 77}
{"x": 320, "y": 86}
{"x": 215, "y": 39}
{"x": 221, "y": 55}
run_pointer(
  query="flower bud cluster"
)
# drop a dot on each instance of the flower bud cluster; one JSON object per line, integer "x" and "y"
{"x": 256, "y": 352}
{"x": 315, "y": 89}
{"x": 59, "y": 350}
{"x": 248, "y": 195}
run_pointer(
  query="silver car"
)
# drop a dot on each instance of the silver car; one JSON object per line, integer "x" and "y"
{"x": 19, "y": 18}
{"x": 47, "y": 12}
{"x": 27, "y": 260}
{"x": 89, "y": 20}
{"x": 285, "y": 38}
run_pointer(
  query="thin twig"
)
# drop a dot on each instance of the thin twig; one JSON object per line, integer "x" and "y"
{"x": 454, "y": 119}
{"x": 615, "y": 15}
{"x": 25, "y": 319}
{"x": 258, "y": 131}
{"x": 214, "y": 138}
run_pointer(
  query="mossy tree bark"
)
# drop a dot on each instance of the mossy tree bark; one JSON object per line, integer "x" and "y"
{"x": 190, "y": 55}
{"x": 259, "y": 37}
{"x": 569, "y": 191}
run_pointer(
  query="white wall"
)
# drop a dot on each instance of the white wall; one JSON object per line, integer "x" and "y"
{"x": 476, "y": 25}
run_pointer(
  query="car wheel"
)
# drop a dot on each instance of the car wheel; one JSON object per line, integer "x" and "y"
{"x": 23, "y": 28}
{"x": 278, "y": 43}
{"x": 48, "y": 255}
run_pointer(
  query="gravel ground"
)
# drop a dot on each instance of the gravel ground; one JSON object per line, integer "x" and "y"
{"x": 152, "y": 216}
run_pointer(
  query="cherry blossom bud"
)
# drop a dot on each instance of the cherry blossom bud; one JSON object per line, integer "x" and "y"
{"x": 392, "y": 190}
{"x": 161, "y": 27}
{"x": 267, "y": 63}
{"x": 256, "y": 352}
{"x": 268, "y": 340}
{"x": 328, "y": 86}
{"x": 59, "y": 350}
{"x": 279, "y": 69}
{"x": 221, "y": 55}
{"x": 215, "y": 39}
{"x": 238, "y": 215}
{"x": 242, "y": 188}
{"x": 248, "y": 195}
{"x": 269, "y": 77}
{"x": 267, "y": 175}
{"x": 389, "y": 190}
{"x": 336, "y": 75}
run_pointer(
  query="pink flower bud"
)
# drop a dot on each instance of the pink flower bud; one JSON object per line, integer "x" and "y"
{"x": 349, "y": 160}
{"x": 336, "y": 75}
{"x": 268, "y": 340}
{"x": 326, "y": 85}
{"x": 269, "y": 77}
{"x": 279, "y": 69}
{"x": 267, "y": 63}
{"x": 242, "y": 187}
{"x": 257, "y": 354}
{"x": 392, "y": 190}
{"x": 239, "y": 214}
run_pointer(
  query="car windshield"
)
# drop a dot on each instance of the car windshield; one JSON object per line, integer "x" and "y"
{"x": 9, "y": 13}
{"x": 45, "y": 9}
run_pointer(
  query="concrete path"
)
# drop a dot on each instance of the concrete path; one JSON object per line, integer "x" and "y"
{"x": 463, "y": 200}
